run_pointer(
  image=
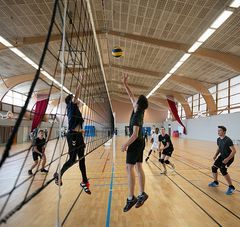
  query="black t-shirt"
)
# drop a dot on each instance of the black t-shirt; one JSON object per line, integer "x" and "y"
{"x": 164, "y": 139}
{"x": 39, "y": 143}
{"x": 136, "y": 120}
{"x": 224, "y": 146}
{"x": 74, "y": 116}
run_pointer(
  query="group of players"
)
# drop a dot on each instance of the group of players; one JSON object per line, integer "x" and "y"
{"x": 134, "y": 148}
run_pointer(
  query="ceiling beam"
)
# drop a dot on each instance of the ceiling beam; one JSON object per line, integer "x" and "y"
{"x": 163, "y": 104}
{"x": 229, "y": 59}
{"x": 146, "y": 73}
{"x": 200, "y": 88}
{"x": 179, "y": 97}
{"x": 126, "y": 100}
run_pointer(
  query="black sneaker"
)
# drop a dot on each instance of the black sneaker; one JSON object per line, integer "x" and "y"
{"x": 130, "y": 204}
{"x": 57, "y": 180}
{"x": 146, "y": 159}
{"x": 85, "y": 187}
{"x": 141, "y": 199}
{"x": 30, "y": 172}
{"x": 44, "y": 171}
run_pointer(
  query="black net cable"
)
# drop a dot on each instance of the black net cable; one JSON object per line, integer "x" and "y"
{"x": 24, "y": 108}
{"x": 97, "y": 109}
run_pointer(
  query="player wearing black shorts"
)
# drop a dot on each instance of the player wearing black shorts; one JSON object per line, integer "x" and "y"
{"x": 167, "y": 150}
{"x": 38, "y": 152}
{"x": 134, "y": 148}
{"x": 75, "y": 141}
{"x": 223, "y": 158}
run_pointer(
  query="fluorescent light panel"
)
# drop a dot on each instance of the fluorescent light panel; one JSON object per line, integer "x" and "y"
{"x": 185, "y": 57}
{"x": 5, "y": 42}
{"x": 216, "y": 24}
{"x": 206, "y": 35}
{"x": 221, "y": 19}
{"x": 194, "y": 47}
{"x": 235, "y": 4}
{"x": 33, "y": 64}
{"x": 178, "y": 64}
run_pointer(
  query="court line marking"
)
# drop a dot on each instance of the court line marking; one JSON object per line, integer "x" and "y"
{"x": 215, "y": 200}
{"x": 189, "y": 196}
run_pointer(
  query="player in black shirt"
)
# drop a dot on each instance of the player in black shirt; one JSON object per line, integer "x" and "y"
{"x": 166, "y": 150}
{"x": 223, "y": 158}
{"x": 134, "y": 148}
{"x": 39, "y": 152}
{"x": 75, "y": 141}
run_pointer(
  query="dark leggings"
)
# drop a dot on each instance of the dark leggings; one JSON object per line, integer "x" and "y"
{"x": 76, "y": 147}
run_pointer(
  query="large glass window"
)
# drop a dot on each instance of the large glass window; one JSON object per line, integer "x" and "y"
{"x": 222, "y": 101}
{"x": 235, "y": 94}
{"x": 14, "y": 98}
{"x": 225, "y": 94}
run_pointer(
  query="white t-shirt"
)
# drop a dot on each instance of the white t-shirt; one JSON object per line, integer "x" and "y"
{"x": 155, "y": 140}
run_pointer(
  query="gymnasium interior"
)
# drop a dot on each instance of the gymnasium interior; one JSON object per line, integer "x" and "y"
{"x": 182, "y": 55}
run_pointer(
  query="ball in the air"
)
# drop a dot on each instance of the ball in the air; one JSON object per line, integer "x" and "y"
{"x": 117, "y": 52}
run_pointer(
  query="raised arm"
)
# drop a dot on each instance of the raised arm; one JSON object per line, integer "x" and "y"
{"x": 130, "y": 94}
{"x": 77, "y": 93}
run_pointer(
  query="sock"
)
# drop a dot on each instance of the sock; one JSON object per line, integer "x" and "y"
{"x": 130, "y": 197}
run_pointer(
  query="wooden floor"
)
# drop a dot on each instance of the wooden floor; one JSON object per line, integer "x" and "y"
{"x": 181, "y": 198}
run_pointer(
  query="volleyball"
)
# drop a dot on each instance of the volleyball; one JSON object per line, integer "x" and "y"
{"x": 117, "y": 52}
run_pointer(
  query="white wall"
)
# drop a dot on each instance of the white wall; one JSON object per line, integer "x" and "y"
{"x": 205, "y": 128}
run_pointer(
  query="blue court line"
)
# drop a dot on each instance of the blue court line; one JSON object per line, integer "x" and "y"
{"x": 110, "y": 199}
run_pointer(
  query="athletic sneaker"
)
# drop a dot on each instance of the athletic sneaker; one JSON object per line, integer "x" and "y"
{"x": 130, "y": 204}
{"x": 164, "y": 172}
{"x": 141, "y": 199}
{"x": 85, "y": 187}
{"x": 230, "y": 190}
{"x": 146, "y": 159}
{"x": 44, "y": 171}
{"x": 213, "y": 184}
{"x": 57, "y": 180}
{"x": 30, "y": 172}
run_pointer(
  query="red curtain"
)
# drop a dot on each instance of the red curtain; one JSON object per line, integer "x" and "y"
{"x": 40, "y": 109}
{"x": 174, "y": 111}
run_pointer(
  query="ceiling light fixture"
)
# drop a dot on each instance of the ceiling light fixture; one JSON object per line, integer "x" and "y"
{"x": 216, "y": 24}
{"x": 194, "y": 47}
{"x": 235, "y": 4}
{"x": 206, "y": 35}
{"x": 33, "y": 64}
{"x": 221, "y": 19}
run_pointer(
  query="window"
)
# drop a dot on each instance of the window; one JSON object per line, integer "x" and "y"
{"x": 222, "y": 101}
{"x": 195, "y": 103}
{"x": 14, "y": 98}
{"x": 190, "y": 101}
{"x": 213, "y": 90}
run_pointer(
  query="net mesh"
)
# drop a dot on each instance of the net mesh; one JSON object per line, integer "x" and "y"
{"x": 82, "y": 66}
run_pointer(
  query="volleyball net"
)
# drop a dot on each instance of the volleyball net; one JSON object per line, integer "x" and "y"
{"x": 69, "y": 58}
